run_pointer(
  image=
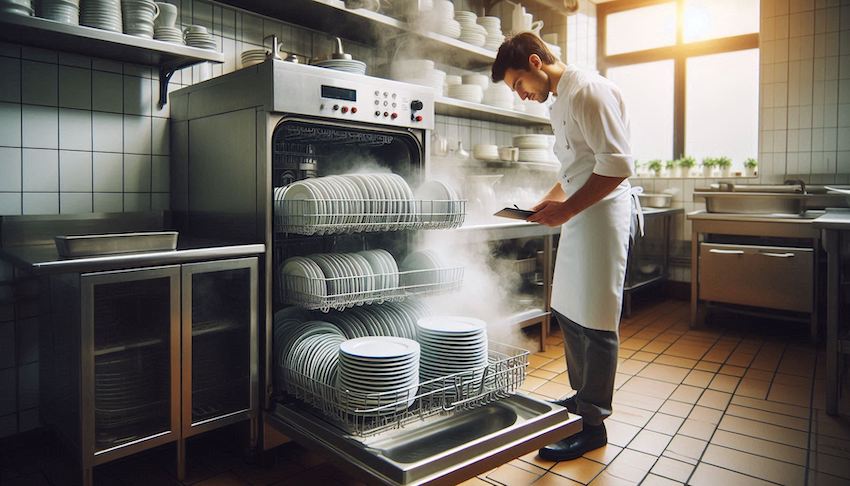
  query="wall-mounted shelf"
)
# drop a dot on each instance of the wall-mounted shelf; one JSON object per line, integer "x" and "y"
{"x": 478, "y": 111}
{"x": 88, "y": 41}
{"x": 369, "y": 27}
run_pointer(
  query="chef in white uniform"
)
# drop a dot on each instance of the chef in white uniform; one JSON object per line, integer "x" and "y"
{"x": 593, "y": 204}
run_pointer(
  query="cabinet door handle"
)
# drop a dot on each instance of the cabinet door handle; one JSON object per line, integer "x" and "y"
{"x": 777, "y": 255}
{"x": 726, "y": 252}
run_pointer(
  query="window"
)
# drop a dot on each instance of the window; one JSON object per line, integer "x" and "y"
{"x": 689, "y": 72}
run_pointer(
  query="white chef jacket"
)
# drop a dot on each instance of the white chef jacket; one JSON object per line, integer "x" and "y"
{"x": 591, "y": 130}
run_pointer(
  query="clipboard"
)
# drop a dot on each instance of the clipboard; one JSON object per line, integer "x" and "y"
{"x": 514, "y": 213}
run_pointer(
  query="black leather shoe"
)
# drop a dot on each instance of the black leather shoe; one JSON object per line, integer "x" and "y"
{"x": 568, "y": 403}
{"x": 592, "y": 437}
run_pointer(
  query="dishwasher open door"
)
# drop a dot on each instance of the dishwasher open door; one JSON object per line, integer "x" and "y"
{"x": 442, "y": 449}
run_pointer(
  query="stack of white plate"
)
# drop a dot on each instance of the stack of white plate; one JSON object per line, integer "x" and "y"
{"x": 198, "y": 36}
{"x": 485, "y": 151}
{"x": 253, "y": 56}
{"x": 329, "y": 274}
{"x": 439, "y": 202}
{"x": 420, "y": 269}
{"x": 102, "y": 14}
{"x": 466, "y": 92}
{"x": 536, "y": 108}
{"x": 168, "y": 34}
{"x": 347, "y": 65}
{"x": 138, "y": 17}
{"x": 533, "y": 141}
{"x": 293, "y": 341}
{"x": 499, "y": 95}
{"x": 24, "y": 7}
{"x": 388, "y": 319}
{"x": 535, "y": 155}
{"x": 450, "y": 345}
{"x": 482, "y": 80}
{"x": 493, "y": 26}
{"x": 442, "y": 18}
{"x": 418, "y": 71}
{"x": 470, "y": 31}
{"x": 378, "y": 375}
{"x": 65, "y": 11}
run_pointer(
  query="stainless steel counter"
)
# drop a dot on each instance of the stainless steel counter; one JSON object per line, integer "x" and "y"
{"x": 834, "y": 219}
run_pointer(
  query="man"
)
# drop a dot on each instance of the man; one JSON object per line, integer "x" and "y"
{"x": 593, "y": 204}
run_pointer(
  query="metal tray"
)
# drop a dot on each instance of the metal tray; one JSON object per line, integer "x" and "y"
{"x": 109, "y": 244}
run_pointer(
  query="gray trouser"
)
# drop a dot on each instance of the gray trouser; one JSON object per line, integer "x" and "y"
{"x": 591, "y": 363}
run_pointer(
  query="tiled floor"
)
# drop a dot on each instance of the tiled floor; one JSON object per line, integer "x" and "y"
{"x": 736, "y": 403}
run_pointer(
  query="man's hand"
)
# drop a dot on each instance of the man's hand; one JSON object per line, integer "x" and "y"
{"x": 551, "y": 213}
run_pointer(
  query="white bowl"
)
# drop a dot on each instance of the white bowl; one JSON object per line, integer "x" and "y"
{"x": 478, "y": 79}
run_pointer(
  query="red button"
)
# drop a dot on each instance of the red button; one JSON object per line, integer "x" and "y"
{"x": 386, "y": 114}
{"x": 345, "y": 109}
{"x": 418, "y": 118}
{"x": 394, "y": 116}
{"x": 354, "y": 109}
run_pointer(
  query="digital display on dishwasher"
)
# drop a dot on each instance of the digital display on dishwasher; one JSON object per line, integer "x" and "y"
{"x": 339, "y": 93}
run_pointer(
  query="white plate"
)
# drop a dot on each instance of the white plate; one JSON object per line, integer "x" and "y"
{"x": 379, "y": 347}
{"x": 452, "y": 325}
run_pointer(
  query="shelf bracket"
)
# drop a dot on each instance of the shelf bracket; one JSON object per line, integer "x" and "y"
{"x": 165, "y": 73}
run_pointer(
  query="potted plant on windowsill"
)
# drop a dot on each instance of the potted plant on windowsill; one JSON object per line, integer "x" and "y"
{"x": 708, "y": 166}
{"x": 687, "y": 164}
{"x": 655, "y": 167}
{"x": 725, "y": 166}
{"x": 750, "y": 167}
{"x": 670, "y": 168}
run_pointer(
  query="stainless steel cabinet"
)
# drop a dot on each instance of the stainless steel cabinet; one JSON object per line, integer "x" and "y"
{"x": 162, "y": 354}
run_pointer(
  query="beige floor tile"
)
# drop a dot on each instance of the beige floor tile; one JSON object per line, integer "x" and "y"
{"x": 650, "y": 442}
{"x": 756, "y": 466}
{"x": 782, "y": 408}
{"x": 556, "y": 366}
{"x": 623, "y": 397}
{"x": 581, "y": 469}
{"x": 833, "y": 465}
{"x": 666, "y": 424}
{"x": 714, "y": 399}
{"x": 552, "y": 351}
{"x": 768, "y": 357}
{"x": 724, "y": 383}
{"x": 653, "y": 480}
{"x": 798, "y": 361}
{"x": 753, "y": 388}
{"x": 708, "y": 475}
{"x": 634, "y": 343}
{"x": 678, "y": 409}
{"x": 631, "y": 415}
{"x": 563, "y": 378}
{"x": 768, "y": 417}
{"x": 662, "y": 372}
{"x": 633, "y": 459}
{"x": 625, "y": 353}
{"x": 687, "y": 394}
{"x": 604, "y": 455}
{"x": 526, "y": 466}
{"x": 697, "y": 429}
{"x": 620, "y": 379}
{"x": 685, "y": 448}
{"x": 801, "y": 382}
{"x": 606, "y": 478}
{"x": 838, "y": 427}
{"x": 554, "y": 340}
{"x": 686, "y": 350}
{"x": 649, "y": 387}
{"x": 732, "y": 370}
{"x": 676, "y": 361}
{"x": 705, "y": 414}
{"x": 698, "y": 378}
{"x": 535, "y": 361}
{"x": 759, "y": 374}
{"x": 535, "y": 459}
{"x": 620, "y": 434}
{"x": 644, "y": 356}
{"x": 761, "y": 430}
{"x": 831, "y": 445}
{"x": 656, "y": 347}
{"x": 820, "y": 479}
{"x": 631, "y": 366}
{"x": 673, "y": 469}
{"x": 475, "y": 482}
{"x": 531, "y": 383}
{"x": 760, "y": 447}
{"x": 510, "y": 474}
{"x": 546, "y": 375}
{"x": 552, "y": 479}
{"x": 740, "y": 359}
{"x": 554, "y": 390}
{"x": 789, "y": 394}
{"x": 707, "y": 366}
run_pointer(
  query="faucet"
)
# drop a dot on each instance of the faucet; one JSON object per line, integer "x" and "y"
{"x": 799, "y": 182}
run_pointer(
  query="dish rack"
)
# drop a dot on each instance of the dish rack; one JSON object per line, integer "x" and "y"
{"x": 314, "y": 293}
{"x": 476, "y": 387}
{"x": 340, "y": 216}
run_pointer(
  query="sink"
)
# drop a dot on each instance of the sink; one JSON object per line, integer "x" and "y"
{"x": 782, "y": 202}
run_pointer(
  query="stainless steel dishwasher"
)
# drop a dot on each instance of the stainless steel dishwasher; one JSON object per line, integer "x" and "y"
{"x": 238, "y": 137}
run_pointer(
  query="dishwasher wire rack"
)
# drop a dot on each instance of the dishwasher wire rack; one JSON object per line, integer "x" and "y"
{"x": 341, "y": 216}
{"x": 500, "y": 378}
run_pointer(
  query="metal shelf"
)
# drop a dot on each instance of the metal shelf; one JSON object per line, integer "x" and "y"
{"x": 89, "y": 41}
{"x": 368, "y": 27}
{"x": 478, "y": 111}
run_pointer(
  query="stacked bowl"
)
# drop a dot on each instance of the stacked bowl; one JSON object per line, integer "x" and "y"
{"x": 65, "y": 11}
{"x": 24, "y": 7}
{"x": 443, "y": 19}
{"x": 500, "y": 96}
{"x": 139, "y": 16}
{"x": 449, "y": 345}
{"x": 493, "y": 26}
{"x": 470, "y": 31}
{"x": 466, "y": 92}
{"x": 418, "y": 71}
{"x": 253, "y": 56}
{"x": 378, "y": 375}
{"x": 102, "y": 14}
{"x": 198, "y": 36}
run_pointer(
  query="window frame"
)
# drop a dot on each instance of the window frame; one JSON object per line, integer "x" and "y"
{"x": 679, "y": 53}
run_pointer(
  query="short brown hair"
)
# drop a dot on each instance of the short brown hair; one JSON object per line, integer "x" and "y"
{"x": 514, "y": 53}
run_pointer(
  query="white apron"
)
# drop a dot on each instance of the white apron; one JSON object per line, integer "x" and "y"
{"x": 590, "y": 268}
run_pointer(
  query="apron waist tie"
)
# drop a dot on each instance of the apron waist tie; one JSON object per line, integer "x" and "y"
{"x": 636, "y": 207}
